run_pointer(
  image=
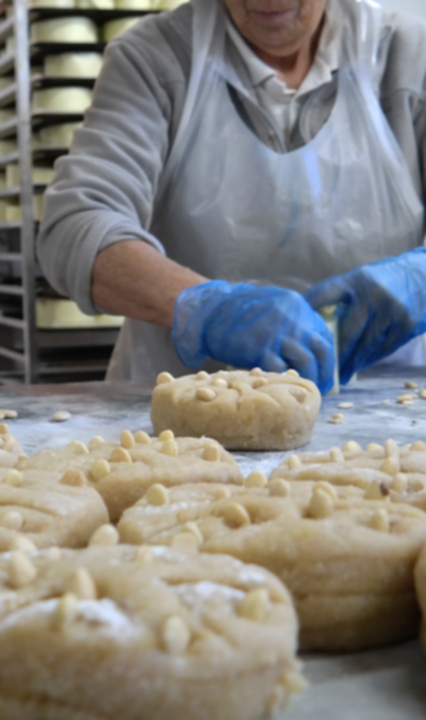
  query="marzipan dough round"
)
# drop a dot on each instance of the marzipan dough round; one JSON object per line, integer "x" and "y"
{"x": 380, "y": 471}
{"x": 130, "y": 468}
{"x": 347, "y": 561}
{"x": 48, "y": 509}
{"x": 242, "y": 410}
{"x": 129, "y": 633}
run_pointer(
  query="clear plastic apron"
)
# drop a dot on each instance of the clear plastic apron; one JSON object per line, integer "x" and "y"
{"x": 230, "y": 207}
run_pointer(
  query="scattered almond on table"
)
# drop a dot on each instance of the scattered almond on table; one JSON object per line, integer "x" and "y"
{"x": 405, "y": 399}
{"x": 337, "y": 419}
{"x": 61, "y": 416}
{"x": 8, "y": 414}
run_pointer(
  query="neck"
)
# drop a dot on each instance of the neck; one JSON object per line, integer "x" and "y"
{"x": 294, "y": 67}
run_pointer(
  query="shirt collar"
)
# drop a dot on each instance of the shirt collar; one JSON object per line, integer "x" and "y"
{"x": 258, "y": 70}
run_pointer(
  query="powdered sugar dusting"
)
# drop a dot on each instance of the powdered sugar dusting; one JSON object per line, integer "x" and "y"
{"x": 251, "y": 576}
{"x": 104, "y": 614}
{"x": 170, "y": 556}
{"x": 169, "y": 508}
{"x": 193, "y": 594}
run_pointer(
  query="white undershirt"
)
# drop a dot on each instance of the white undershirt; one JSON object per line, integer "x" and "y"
{"x": 272, "y": 92}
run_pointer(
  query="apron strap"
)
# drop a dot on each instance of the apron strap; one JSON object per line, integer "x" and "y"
{"x": 207, "y": 23}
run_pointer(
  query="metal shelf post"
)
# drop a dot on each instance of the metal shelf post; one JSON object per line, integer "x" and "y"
{"x": 23, "y": 108}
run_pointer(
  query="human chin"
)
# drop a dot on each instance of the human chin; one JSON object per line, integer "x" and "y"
{"x": 275, "y": 24}
{"x": 274, "y": 18}
{"x": 274, "y": 35}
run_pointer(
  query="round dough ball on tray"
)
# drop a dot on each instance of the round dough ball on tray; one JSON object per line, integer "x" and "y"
{"x": 242, "y": 410}
{"x": 347, "y": 561}
{"x": 39, "y": 509}
{"x": 123, "y": 472}
{"x": 143, "y": 634}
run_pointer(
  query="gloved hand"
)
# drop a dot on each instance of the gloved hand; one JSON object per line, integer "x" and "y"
{"x": 381, "y": 307}
{"x": 248, "y": 326}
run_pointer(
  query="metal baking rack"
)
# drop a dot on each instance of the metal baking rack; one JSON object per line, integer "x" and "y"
{"x": 26, "y": 353}
{"x": 39, "y": 82}
{"x": 39, "y": 50}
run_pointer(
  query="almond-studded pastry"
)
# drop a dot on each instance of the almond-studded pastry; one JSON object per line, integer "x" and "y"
{"x": 380, "y": 471}
{"x": 242, "y": 410}
{"x": 348, "y": 561}
{"x": 42, "y": 509}
{"x": 123, "y": 472}
{"x": 138, "y": 633}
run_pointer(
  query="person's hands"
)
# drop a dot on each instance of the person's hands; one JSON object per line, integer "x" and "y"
{"x": 247, "y": 326}
{"x": 381, "y": 307}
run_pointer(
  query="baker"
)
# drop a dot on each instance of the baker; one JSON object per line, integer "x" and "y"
{"x": 244, "y": 164}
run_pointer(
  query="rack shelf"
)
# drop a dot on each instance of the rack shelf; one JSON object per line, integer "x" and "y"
{"x": 48, "y": 155}
{"x": 9, "y": 193}
{"x": 6, "y": 226}
{"x": 11, "y": 289}
{"x": 12, "y": 322}
{"x": 7, "y": 62}
{"x": 39, "y": 82}
{"x": 38, "y": 187}
{"x": 6, "y": 29}
{"x": 9, "y": 128}
{"x": 41, "y": 119}
{"x": 10, "y": 257}
{"x": 99, "y": 16}
{"x": 12, "y": 355}
{"x": 9, "y": 159}
{"x": 26, "y": 352}
{"x": 39, "y": 50}
{"x": 8, "y": 96}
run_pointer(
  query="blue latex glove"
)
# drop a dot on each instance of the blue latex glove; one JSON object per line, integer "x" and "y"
{"x": 248, "y": 326}
{"x": 381, "y": 307}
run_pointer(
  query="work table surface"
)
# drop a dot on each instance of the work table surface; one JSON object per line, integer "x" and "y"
{"x": 389, "y": 684}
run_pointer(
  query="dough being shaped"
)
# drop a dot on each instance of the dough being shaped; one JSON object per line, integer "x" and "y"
{"x": 153, "y": 634}
{"x": 46, "y": 511}
{"x": 122, "y": 473}
{"x": 242, "y": 410}
{"x": 347, "y": 561}
{"x": 398, "y": 473}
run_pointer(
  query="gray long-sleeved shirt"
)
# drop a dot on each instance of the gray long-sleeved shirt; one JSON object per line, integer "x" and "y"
{"x": 105, "y": 189}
